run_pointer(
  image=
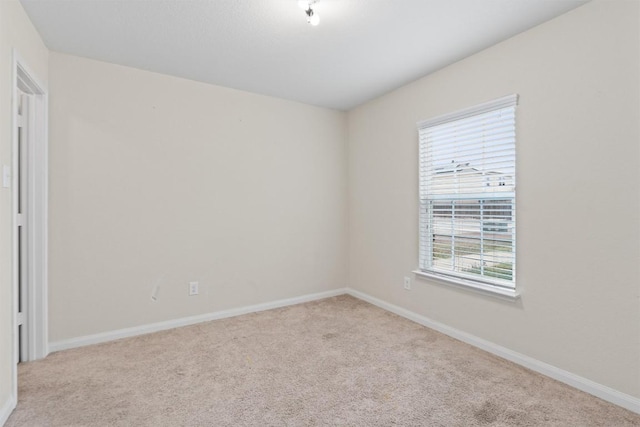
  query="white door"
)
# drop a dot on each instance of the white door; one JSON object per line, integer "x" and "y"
{"x": 22, "y": 207}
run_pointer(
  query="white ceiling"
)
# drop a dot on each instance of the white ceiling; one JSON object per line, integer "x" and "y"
{"x": 360, "y": 50}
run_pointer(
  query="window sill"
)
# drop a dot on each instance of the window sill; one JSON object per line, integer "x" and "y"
{"x": 482, "y": 288}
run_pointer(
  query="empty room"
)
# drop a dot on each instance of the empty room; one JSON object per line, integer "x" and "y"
{"x": 320, "y": 213}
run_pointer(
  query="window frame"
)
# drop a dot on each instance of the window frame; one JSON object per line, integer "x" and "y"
{"x": 493, "y": 286}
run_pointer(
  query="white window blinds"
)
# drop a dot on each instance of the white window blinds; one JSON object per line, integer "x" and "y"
{"x": 467, "y": 194}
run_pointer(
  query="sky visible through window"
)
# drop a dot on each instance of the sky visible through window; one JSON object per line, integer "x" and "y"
{"x": 459, "y": 144}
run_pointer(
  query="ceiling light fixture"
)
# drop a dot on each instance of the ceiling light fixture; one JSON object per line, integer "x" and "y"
{"x": 307, "y": 6}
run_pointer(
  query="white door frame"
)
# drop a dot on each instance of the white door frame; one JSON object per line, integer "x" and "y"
{"x": 37, "y": 198}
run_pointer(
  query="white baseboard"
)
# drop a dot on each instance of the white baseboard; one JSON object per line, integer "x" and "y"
{"x": 584, "y": 384}
{"x": 185, "y": 321}
{"x": 7, "y": 407}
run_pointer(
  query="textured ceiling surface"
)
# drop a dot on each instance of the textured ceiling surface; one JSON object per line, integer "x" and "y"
{"x": 360, "y": 50}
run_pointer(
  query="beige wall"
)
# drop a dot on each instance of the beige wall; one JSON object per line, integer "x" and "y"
{"x": 16, "y": 32}
{"x": 578, "y": 193}
{"x": 156, "y": 180}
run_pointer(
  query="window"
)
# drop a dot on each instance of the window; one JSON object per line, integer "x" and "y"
{"x": 467, "y": 196}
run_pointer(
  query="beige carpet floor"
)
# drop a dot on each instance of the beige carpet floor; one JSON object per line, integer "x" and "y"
{"x": 334, "y": 362}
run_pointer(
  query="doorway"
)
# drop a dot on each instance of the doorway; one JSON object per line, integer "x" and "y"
{"x": 21, "y": 207}
{"x": 29, "y": 193}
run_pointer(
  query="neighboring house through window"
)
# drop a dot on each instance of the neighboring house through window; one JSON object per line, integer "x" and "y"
{"x": 467, "y": 196}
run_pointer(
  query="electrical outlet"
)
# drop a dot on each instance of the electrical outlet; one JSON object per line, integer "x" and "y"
{"x": 193, "y": 288}
{"x": 407, "y": 283}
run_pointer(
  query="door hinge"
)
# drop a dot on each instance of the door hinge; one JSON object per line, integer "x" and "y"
{"x": 20, "y": 318}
